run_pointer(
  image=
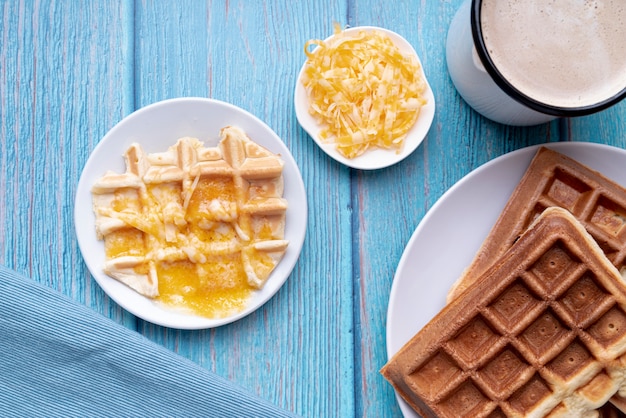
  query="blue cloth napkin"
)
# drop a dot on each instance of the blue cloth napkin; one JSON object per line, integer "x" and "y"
{"x": 60, "y": 358}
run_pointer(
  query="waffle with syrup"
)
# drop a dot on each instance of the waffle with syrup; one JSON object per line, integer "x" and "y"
{"x": 206, "y": 218}
{"x": 541, "y": 333}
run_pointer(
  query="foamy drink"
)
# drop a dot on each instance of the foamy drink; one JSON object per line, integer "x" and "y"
{"x": 561, "y": 53}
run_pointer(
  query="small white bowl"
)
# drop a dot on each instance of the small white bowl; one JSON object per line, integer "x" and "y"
{"x": 373, "y": 158}
{"x": 157, "y": 127}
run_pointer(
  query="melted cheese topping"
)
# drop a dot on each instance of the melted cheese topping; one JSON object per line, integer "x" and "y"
{"x": 197, "y": 229}
{"x": 363, "y": 91}
{"x": 208, "y": 285}
{"x": 212, "y": 289}
{"x": 124, "y": 242}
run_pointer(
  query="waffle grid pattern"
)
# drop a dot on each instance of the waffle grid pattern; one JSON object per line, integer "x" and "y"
{"x": 239, "y": 209}
{"x": 541, "y": 338}
{"x": 598, "y": 205}
{"x": 555, "y": 180}
{"x": 534, "y": 325}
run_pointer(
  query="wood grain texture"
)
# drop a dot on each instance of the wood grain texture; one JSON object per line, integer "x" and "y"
{"x": 69, "y": 71}
{"x": 60, "y": 70}
{"x": 248, "y": 54}
{"x": 606, "y": 127}
{"x": 391, "y": 202}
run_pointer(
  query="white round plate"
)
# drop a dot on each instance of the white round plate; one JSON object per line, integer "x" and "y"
{"x": 374, "y": 158}
{"x": 445, "y": 241}
{"x": 157, "y": 127}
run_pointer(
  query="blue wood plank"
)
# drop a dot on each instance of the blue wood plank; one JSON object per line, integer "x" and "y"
{"x": 390, "y": 203}
{"x": 297, "y": 350}
{"x": 605, "y": 127}
{"x": 62, "y": 86}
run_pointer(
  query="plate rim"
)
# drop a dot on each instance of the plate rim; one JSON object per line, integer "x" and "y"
{"x": 397, "y": 282}
{"x": 420, "y": 129}
{"x": 296, "y": 228}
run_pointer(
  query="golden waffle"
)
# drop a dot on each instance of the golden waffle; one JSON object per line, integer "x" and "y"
{"x": 541, "y": 333}
{"x": 553, "y": 179}
{"x": 216, "y": 214}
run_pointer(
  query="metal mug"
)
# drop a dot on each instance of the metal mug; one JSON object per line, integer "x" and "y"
{"x": 484, "y": 87}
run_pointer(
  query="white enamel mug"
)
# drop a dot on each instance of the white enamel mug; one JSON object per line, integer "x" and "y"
{"x": 487, "y": 91}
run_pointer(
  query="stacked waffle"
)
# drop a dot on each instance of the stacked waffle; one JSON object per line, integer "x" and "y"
{"x": 553, "y": 179}
{"x": 536, "y": 326}
{"x": 215, "y": 215}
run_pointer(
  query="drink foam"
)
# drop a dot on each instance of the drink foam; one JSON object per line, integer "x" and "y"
{"x": 564, "y": 53}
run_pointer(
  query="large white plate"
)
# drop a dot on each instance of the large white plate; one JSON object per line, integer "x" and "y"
{"x": 156, "y": 128}
{"x": 449, "y": 235}
{"x": 373, "y": 158}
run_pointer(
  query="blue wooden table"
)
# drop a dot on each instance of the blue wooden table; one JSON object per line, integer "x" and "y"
{"x": 70, "y": 70}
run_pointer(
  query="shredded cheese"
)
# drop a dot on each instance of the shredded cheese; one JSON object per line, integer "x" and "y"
{"x": 363, "y": 91}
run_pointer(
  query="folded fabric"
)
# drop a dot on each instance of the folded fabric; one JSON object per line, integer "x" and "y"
{"x": 60, "y": 358}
